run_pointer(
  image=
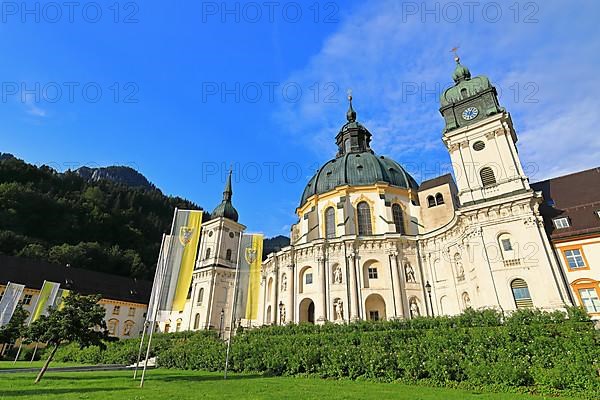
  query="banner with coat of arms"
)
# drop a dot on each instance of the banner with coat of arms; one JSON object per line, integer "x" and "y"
{"x": 180, "y": 259}
{"x": 248, "y": 287}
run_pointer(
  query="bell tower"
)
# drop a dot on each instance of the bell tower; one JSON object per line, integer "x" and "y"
{"x": 481, "y": 140}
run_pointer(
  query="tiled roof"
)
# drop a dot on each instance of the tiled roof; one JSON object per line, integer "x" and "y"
{"x": 575, "y": 196}
{"x": 32, "y": 274}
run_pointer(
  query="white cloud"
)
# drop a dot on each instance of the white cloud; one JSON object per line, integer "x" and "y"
{"x": 382, "y": 58}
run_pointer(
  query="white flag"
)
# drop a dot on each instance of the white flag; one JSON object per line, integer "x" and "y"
{"x": 158, "y": 287}
{"x": 10, "y": 299}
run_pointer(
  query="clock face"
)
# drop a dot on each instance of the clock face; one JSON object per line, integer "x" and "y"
{"x": 470, "y": 113}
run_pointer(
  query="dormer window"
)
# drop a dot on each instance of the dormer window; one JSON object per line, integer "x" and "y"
{"x": 561, "y": 223}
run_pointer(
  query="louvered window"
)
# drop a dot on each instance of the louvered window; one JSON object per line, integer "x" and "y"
{"x": 439, "y": 199}
{"x": 487, "y": 176}
{"x": 521, "y": 293}
{"x": 431, "y": 201}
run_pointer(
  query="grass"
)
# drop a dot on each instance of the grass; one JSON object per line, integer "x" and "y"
{"x": 35, "y": 364}
{"x": 183, "y": 385}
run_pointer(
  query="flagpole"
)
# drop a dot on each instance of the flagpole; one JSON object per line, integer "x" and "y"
{"x": 154, "y": 286}
{"x": 148, "y": 349}
{"x": 233, "y": 308}
{"x": 34, "y": 351}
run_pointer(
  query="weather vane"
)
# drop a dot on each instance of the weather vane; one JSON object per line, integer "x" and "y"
{"x": 454, "y": 50}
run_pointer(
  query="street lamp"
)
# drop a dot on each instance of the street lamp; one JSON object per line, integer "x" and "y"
{"x": 281, "y": 313}
{"x": 428, "y": 288}
{"x": 221, "y": 325}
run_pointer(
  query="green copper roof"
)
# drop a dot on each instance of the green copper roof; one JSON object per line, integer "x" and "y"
{"x": 357, "y": 169}
{"x": 464, "y": 86}
{"x": 356, "y": 164}
{"x": 226, "y": 209}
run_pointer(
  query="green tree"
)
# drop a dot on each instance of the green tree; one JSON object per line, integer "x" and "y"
{"x": 34, "y": 251}
{"x": 15, "y": 328}
{"x": 80, "y": 321}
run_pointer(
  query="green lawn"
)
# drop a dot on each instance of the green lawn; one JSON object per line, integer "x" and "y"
{"x": 182, "y": 385}
{"x": 35, "y": 364}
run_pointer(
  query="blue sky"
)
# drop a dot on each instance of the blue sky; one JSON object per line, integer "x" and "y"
{"x": 182, "y": 91}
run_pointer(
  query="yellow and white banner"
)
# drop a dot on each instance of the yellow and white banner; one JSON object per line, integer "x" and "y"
{"x": 45, "y": 300}
{"x": 248, "y": 286}
{"x": 180, "y": 259}
{"x": 10, "y": 299}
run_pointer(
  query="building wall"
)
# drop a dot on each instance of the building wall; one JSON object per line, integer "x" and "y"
{"x": 584, "y": 282}
{"x": 128, "y": 321}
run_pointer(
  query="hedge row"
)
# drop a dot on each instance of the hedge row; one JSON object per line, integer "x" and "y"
{"x": 544, "y": 352}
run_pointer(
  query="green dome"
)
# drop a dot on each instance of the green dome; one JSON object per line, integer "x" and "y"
{"x": 225, "y": 210}
{"x": 357, "y": 169}
{"x": 461, "y": 73}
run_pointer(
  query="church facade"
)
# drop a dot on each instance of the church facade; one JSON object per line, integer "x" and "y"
{"x": 372, "y": 244}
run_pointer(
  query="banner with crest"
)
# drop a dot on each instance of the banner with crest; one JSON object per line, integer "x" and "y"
{"x": 9, "y": 301}
{"x": 248, "y": 286}
{"x": 180, "y": 259}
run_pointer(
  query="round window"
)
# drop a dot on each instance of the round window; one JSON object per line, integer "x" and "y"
{"x": 231, "y": 235}
{"x": 478, "y": 145}
{"x": 210, "y": 233}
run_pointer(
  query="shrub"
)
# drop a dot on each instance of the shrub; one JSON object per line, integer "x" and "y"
{"x": 540, "y": 351}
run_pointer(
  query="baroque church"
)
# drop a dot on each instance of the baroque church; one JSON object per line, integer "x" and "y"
{"x": 372, "y": 244}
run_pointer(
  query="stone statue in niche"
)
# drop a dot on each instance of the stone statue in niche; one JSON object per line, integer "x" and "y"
{"x": 339, "y": 310}
{"x": 337, "y": 275}
{"x": 410, "y": 273}
{"x": 460, "y": 270}
{"x": 466, "y": 300}
{"x": 284, "y": 283}
{"x": 414, "y": 309}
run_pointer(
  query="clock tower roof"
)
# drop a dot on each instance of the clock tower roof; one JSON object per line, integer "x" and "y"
{"x": 474, "y": 93}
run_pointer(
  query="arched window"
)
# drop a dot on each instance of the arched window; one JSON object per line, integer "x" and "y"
{"x": 113, "y": 327}
{"x": 439, "y": 199}
{"x": 398, "y": 218}
{"x": 269, "y": 289}
{"x": 521, "y": 293}
{"x": 506, "y": 247}
{"x": 200, "y": 296}
{"x": 197, "y": 321}
{"x": 364, "y": 218}
{"x": 128, "y": 327}
{"x": 430, "y": 201}
{"x": 463, "y": 93}
{"x": 487, "y": 176}
{"x": 178, "y": 326}
{"x": 228, "y": 255}
{"x": 207, "y": 253}
{"x": 330, "y": 223}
